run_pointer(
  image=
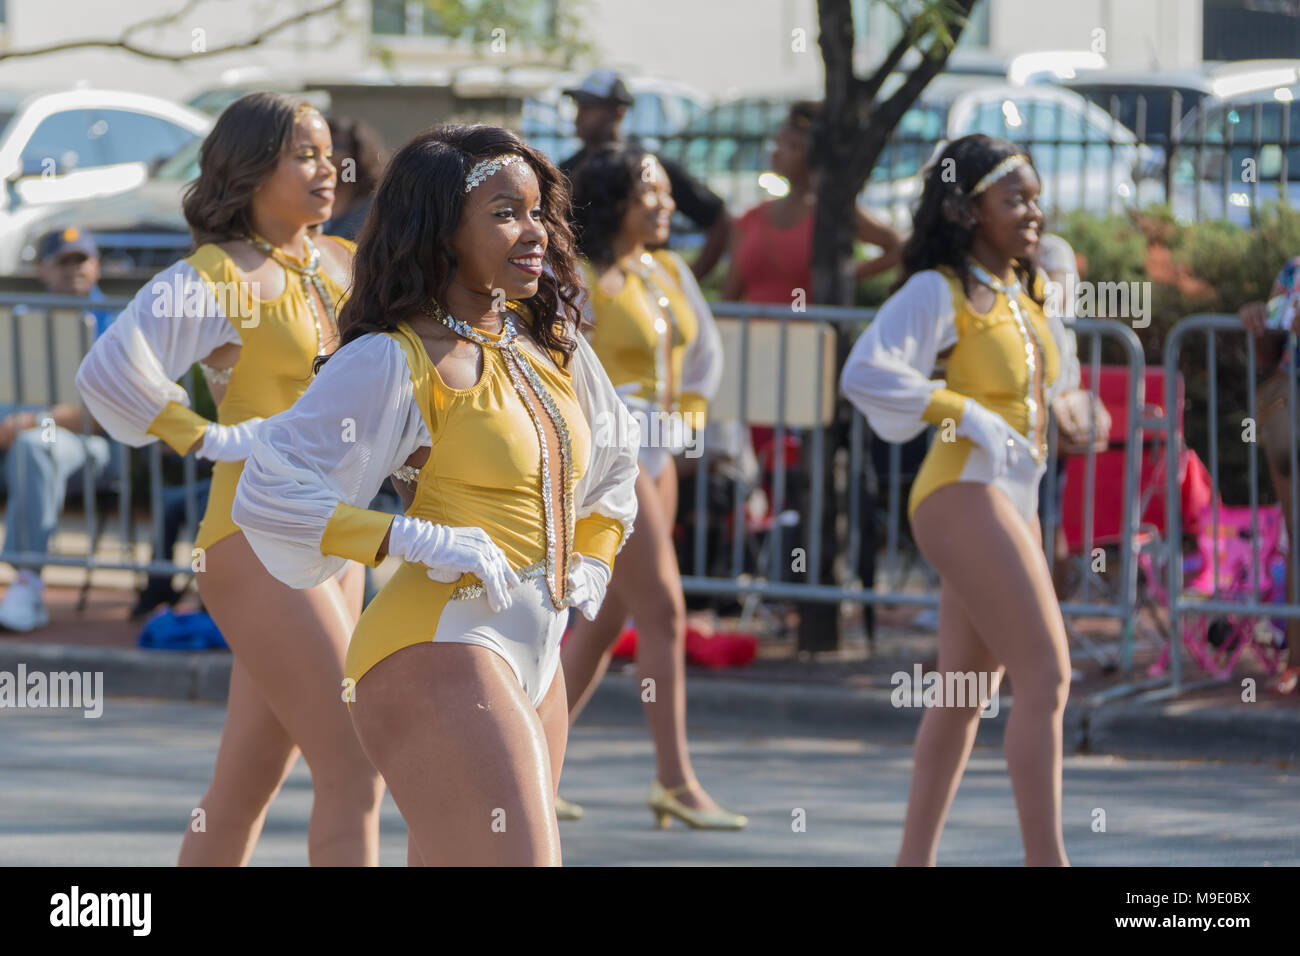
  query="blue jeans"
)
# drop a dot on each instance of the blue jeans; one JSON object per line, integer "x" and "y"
{"x": 35, "y": 477}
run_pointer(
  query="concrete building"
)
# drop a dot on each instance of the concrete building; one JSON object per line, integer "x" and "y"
{"x": 720, "y": 47}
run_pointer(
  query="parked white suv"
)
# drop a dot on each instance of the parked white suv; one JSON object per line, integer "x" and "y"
{"x": 80, "y": 144}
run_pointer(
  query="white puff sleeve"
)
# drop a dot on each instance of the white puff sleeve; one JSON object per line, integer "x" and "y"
{"x": 301, "y": 499}
{"x": 1067, "y": 348}
{"x": 887, "y": 375}
{"x": 606, "y": 493}
{"x": 128, "y": 379}
{"x": 702, "y": 363}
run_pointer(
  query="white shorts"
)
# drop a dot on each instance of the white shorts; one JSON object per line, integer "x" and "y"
{"x": 527, "y": 634}
{"x": 1020, "y": 483}
{"x": 653, "y": 459}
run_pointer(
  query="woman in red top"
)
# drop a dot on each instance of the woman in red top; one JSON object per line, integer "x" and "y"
{"x": 771, "y": 254}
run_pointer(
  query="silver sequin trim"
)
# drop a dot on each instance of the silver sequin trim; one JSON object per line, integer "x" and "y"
{"x": 520, "y": 370}
{"x": 1030, "y": 337}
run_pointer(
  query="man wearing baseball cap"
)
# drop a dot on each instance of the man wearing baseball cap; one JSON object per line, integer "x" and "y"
{"x": 43, "y": 447}
{"x": 603, "y": 100}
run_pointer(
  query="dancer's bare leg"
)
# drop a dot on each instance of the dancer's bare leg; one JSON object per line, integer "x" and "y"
{"x": 353, "y": 590}
{"x": 465, "y": 754}
{"x": 586, "y": 653}
{"x": 253, "y": 759}
{"x": 945, "y": 737}
{"x": 993, "y": 561}
{"x": 290, "y": 645}
{"x": 554, "y": 715}
{"x": 648, "y": 585}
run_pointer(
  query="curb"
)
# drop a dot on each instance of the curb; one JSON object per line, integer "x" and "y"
{"x": 1169, "y": 730}
{"x": 130, "y": 672}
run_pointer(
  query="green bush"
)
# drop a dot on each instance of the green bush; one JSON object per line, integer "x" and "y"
{"x": 1225, "y": 266}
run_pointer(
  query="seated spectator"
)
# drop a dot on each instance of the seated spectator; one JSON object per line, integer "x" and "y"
{"x": 42, "y": 447}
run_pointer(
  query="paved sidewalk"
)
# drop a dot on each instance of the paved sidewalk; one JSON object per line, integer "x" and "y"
{"x": 846, "y": 693}
{"x": 120, "y": 791}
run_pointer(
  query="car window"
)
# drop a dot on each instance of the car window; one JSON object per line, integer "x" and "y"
{"x": 1237, "y": 121}
{"x": 1153, "y": 105}
{"x": 646, "y": 116}
{"x": 69, "y": 139}
{"x": 131, "y": 137}
{"x": 183, "y": 165}
{"x": 1239, "y": 126}
{"x": 83, "y": 139}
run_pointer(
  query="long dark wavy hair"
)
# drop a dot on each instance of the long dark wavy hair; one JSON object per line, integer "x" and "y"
{"x": 404, "y": 256}
{"x": 943, "y": 226}
{"x": 602, "y": 189}
{"x": 240, "y": 152}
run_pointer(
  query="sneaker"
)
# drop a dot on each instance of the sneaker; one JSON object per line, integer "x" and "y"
{"x": 23, "y": 607}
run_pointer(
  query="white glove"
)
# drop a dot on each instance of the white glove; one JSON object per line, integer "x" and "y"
{"x": 588, "y": 577}
{"x": 450, "y": 552}
{"x": 1005, "y": 446}
{"x": 227, "y": 442}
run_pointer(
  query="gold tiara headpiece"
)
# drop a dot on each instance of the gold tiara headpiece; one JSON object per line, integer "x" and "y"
{"x": 998, "y": 171}
{"x": 485, "y": 168}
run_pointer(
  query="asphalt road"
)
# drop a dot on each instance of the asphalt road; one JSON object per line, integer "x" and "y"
{"x": 117, "y": 791}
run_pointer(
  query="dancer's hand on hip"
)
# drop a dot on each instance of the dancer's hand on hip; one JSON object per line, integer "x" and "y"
{"x": 227, "y": 442}
{"x": 1005, "y": 446}
{"x": 588, "y": 577}
{"x": 450, "y": 552}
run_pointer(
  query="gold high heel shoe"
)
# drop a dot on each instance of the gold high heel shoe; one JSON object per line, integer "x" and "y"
{"x": 564, "y": 810}
{"x": 665, "y": 805}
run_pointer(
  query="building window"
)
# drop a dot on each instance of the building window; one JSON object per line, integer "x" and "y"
{"x": 417, "y": 18}
{"x": 1264, "y": 30}
{"x": 403, "y": 18}
{"x": 879, "y": 28}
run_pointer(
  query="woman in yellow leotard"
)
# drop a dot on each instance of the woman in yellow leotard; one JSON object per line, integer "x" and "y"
{"x": 255, "y": 303}
{"x": 972, "y": 293}
{"x": 463, "y": 373}
{"x": 655, "y": 337}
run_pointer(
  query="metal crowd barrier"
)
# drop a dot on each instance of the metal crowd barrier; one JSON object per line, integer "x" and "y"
{"x": 1179, "y": 604}
{"x": 773, "y": 581}
{"x": 799, "y": 392}
{"x": 45, "y": 338}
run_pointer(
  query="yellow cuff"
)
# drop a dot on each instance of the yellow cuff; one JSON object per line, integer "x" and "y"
{"x": 180, "y": 427}
{"x": 697, "y": 406}
{"x": 597, "y": 536}
{"x": 355, "y": 533}
{"x": 944, "y": 403}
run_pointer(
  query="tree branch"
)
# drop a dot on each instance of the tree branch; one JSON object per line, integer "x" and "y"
{"x": 163, "y": 19}
{"x": 872, "y": 86}
{"x": 124, "y": 44}
{"x": 887, "y": 115}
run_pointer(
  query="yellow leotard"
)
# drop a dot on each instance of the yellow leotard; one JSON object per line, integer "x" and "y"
{"x": 274, "y": 368}
{"x": 988, "y": 365}
{"x": 483, "y": 470}
{"x": 625, "y": 338}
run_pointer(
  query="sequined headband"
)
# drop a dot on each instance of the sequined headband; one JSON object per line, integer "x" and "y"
{"x": 485, "y": 168}
{"x": 998, "y": 171}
